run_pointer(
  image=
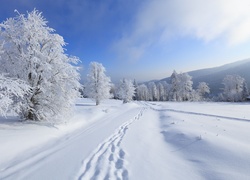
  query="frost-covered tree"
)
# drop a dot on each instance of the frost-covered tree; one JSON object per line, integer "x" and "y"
{"x": 245, "y": 92}
{"x": 142, "y": 92}
{"x": 181, "y": 87}
{"x": 152, "y": 91}
{"x": 233, "y": 88}
{"x": 126, "y": 90}
{"x": 202, "y": 89}
{"x": 34, "y": 53}
{"x": 135, "y": 85}
{"x": 175, "y": 81}
{"x": 185, "y": 86}
{"x": 160, "y": 92}
{"x": 11, "y": 90}
{"x": 167, "y": 88}
{"x": 98, "y": 84}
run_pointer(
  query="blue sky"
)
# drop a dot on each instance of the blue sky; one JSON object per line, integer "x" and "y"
{"x": 146, "y": 39}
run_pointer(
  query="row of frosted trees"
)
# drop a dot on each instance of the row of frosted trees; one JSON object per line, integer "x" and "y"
{"x": 180, "y": 88}
{"x": 99, "y": 86}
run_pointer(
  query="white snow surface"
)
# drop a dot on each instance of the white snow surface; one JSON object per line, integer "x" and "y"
{"x": 138, "y": 140}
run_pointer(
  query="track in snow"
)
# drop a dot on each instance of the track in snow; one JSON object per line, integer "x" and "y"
{"x": 108, "y": 161}
{"x": 199, "y": 114}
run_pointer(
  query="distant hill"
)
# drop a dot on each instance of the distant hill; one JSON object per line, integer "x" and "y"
{"x": 214, "y": 76}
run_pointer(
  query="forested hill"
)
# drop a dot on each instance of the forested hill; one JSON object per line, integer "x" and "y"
{"x": 214, "y": 76}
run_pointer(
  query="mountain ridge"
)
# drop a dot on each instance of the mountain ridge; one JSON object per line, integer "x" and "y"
{"x": 214, "y": 76}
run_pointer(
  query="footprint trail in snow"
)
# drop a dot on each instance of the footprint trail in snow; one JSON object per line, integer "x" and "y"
{"x": 108, "y": 161}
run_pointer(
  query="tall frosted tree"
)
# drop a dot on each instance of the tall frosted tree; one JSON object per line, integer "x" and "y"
{"x": 245, "y": 92}
{"x": 166, "y": 93}
{"x": 174, "y": 91}
{"x": 34, "y": 53}
{"x": 98, "y": 84}
{"x": 160, "y": 92}
{"x": 126, "y": 90}
{"x": 202, "y": 89}
{"x": 153, "y": 93}
{"x": 233, "y": 88}
{"x": 135, "y": 85}
{"x": 142, "y": 92}
{"x": 181, "y": 87}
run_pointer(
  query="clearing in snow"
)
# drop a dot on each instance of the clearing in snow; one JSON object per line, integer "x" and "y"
{"x": 138, "y": 140}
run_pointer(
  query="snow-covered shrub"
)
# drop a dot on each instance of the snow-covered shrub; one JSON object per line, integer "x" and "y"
{"x": 98, "y": 84}
{"x": 34, "y": 53}
{"x": 11, "y": 90}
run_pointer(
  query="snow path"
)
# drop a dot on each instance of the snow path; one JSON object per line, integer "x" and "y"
{"x": 108, "y": 160}
{"x": 63, "y": 157}
{"x": 202, "y": 114}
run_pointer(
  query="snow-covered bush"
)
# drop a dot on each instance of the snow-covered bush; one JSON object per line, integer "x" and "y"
{"x": 126, "y": 90}
{"x": 98, "y": 84}
{"x": 11, "y": 90}
{"x": 34, "y": 53}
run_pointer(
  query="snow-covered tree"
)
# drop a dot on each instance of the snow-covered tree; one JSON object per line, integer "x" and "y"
{"x": 160, "y": 91}
{"x": 245, "y": 92}
{"x": 34, "y": 53}
{"x": 11, "y": 90}
{"x": 233, "y": 88}
{"x": 98, "y": 84}
{"x": 185, "y": 86}
{"x": 152, "y": 91}
{"x": 167, "y": 88}
{"x": 174, "y": 86}
{"x": 142, "y": 92}
{"x": 181, "y": 87}
{"x": 202, "y": 89}
{"x": 135, "y": 85}
{"x": 126, "y": 90}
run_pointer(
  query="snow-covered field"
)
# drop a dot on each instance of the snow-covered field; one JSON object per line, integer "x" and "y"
{"x": 139, "y": 140}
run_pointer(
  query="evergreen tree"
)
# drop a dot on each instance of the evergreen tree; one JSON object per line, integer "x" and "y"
{"x": 135, "y": 85}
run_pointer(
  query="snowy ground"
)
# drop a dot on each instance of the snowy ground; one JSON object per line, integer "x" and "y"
{"x": 141, "y": 140}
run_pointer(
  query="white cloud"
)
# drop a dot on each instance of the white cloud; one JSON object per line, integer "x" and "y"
{"x": 207, "y": 20}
